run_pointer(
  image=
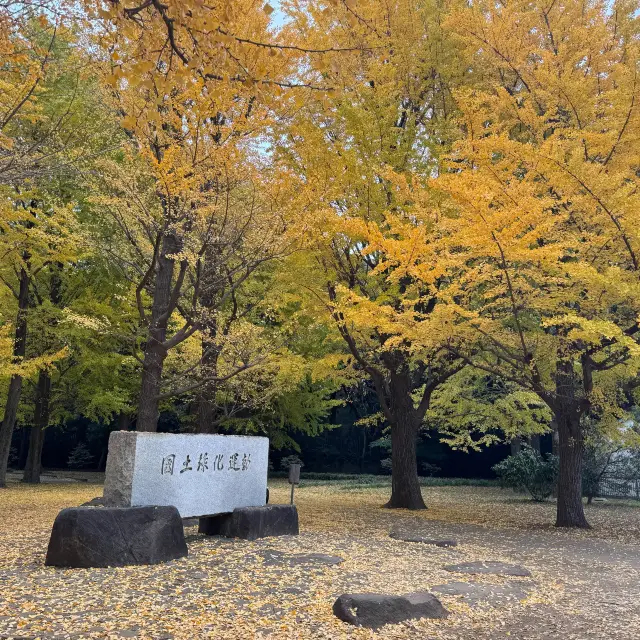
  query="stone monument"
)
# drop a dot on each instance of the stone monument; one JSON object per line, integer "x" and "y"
{"x": 153, "y": 481}
{"x": 199, "y": 474}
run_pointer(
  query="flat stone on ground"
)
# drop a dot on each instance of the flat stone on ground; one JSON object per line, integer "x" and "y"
{"x": 374, "y": 610}
{"x": 405, "y": 536}
{"x": 474, "y": 593}
{"x": 498, "y": 568}
{"x": 274, "y": 558}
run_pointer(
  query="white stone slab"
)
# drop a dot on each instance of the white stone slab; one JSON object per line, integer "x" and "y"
{"x": 199, "y": 474}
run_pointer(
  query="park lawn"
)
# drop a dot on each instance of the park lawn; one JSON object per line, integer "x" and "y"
{"x": 227, "y": 589}
{"x": 470, "y": 504}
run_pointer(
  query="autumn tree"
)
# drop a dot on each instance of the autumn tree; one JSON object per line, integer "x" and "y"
{"x": 61, "y": 123}
{"x": 34, "y": 236}
{"x": 195, "y": 84}
{"x": 24, "y": 64}
{"x": 291, "y": 391}
{"x": 362, "y": 156}
{"x": 540, "y": 247}
{"x": 32, "y": 37}
{"x": 218, "y": 240}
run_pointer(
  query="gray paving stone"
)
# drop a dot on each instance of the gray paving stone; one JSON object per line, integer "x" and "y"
{"x": 489, "y": 567}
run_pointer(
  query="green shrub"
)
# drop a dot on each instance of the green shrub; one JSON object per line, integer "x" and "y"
{"x": 429, "y": 469}
{"x": 606, "y": 460}
{"x": 286, "y": 462}
{"x": 528, "y": 471}
{"x": 80, "y": 457}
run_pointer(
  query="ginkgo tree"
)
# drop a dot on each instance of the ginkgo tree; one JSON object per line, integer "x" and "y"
{"x": 25, "y": 47}
{"x": 34, "y": 47}
{"x": 57, "y": 125}
{"x": 187, "y": 263}
{"x": 34, "y": 235}
{"x": 445, "y": 192}
{"x": 38, "y": 229}
{"x": 538, "y": 233}
{"x": 195, "y": 84}
{"x": 361, "y": 154}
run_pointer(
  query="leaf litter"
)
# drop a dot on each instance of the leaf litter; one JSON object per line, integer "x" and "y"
{"x": 583, "y": 585}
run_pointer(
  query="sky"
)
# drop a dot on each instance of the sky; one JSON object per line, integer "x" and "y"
{"x": 277, "y": 17}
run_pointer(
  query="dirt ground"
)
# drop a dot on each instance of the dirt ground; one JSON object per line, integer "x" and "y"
{"x": 584, "y": 585}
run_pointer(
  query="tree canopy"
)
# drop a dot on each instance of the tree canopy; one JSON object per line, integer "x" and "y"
{"x": 238, "y": 222}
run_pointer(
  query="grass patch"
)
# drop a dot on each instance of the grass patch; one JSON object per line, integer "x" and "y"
{"x": 346, "y": 481}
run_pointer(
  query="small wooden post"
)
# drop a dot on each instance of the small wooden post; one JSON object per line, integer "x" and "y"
{"x": 294, "y": 478}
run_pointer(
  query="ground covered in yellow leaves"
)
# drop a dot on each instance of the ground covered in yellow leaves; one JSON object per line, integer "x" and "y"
{"x": 584, "y": 584}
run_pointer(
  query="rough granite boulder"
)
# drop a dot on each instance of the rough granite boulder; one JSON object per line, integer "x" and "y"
{"x": 374, "y": 610}
{"x": 251, "y": 523}
{"x": 115, "y": 537}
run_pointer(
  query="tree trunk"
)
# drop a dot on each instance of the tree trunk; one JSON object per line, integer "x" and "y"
{"x": 405, "y": 485}
{"x": 206, "y": 419}
{"x": 516, "y": 445}
{"x": 148, "y": 404}
{"x": 206, "y": 398}
{"x": 405, "y": 422}
{"x": 555, "y": 443}
{"x": 155, "y": 351}
{"x": 15, "y": 384}
{"x": 534, "y": 443}
{"x": 33, "y": 467}
{"x": 570, "y": 510}
{"x": 8, "y": 424}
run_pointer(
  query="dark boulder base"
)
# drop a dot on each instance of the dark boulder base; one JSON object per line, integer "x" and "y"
{"x": 374, "y": 610}
{"x": 251, "y": 523}
{"x": 85, "y": 537}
